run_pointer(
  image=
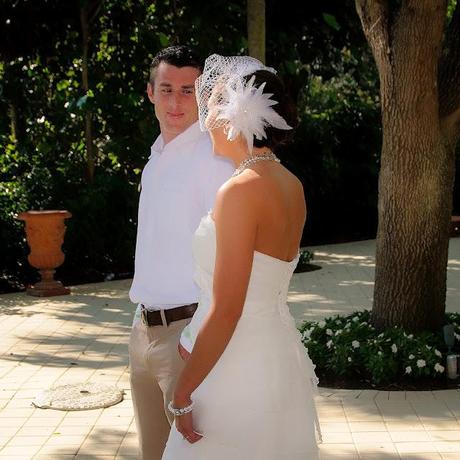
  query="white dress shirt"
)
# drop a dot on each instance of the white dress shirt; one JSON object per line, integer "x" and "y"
{"x": 178, "y": 187}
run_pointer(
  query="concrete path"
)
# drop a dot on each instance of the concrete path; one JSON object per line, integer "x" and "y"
{"x": 84, "y": 337}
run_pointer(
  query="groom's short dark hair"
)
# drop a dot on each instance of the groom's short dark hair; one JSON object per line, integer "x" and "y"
{"x": 178, "y": 56}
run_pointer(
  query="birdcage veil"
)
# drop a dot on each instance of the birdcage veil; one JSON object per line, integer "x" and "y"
{"x": 226, "y": 98}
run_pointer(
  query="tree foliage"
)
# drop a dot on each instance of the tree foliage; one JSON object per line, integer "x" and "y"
{"x": 320, "y": 54}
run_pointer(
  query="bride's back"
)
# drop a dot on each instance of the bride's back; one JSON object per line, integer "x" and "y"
{"x": 278, "y": 203}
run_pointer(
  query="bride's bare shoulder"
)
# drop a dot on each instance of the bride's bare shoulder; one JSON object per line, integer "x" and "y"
{"x": 244, "y": 183}
{"x": 238, "y": 195}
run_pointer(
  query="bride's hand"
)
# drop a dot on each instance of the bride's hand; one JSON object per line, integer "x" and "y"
{"x": 184, "y": 354}
{"x": 184, "y": 425}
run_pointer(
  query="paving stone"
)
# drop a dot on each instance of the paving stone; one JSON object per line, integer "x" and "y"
{"x": 66, "y": 339}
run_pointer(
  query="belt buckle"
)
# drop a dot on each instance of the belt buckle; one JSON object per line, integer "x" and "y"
{"x": 144, "y": 317}
{"x": 164, "y": 320}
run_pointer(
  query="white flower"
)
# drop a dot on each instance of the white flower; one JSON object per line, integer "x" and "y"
{"x": 380, "y": 335}
{"x": 421, "y": 363}
{"x": 329, "y": 332}
{"x": 322, "y": 324}
{"x": 428, "y": 348}
{"x": 347, "y": 326}
{"x": 355, "y": 319}
{"x": 394, "y": 348}
{"x": 338, "y": 331}
{"x": 355, "y": 344}
{"x": 410, "y": 336}
{"x": 67, "y": 104}
{"x": 249, "y": 111}
{"x": 408, "y": 370}
{"x": 438, "y": 368}
{"x": 438, "y": 353}
{"x": 379, "y": 353}
{"x": 41, "y": 119}
{"x": 349, "y": 360}
{"x": 306, "y": 334}
{"x": 364, "y": 323}
{"x": 457, "y": 336}
{"x": 329, "y": 344}
{"x": 411, "y": 356}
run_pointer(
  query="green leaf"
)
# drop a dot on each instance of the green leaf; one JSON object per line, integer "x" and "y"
{"x": 291, "y": 67}
{"x": 331, "y": 21}
{"x": 82, "y": 101}
{"x": 63, "y": 84}
{"x": 164, "y": 40}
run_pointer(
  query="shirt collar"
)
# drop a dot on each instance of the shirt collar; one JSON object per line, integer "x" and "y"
{"x": 192, "y": 133}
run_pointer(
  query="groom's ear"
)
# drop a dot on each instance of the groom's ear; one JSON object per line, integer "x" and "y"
{"x": 150, "y": 93}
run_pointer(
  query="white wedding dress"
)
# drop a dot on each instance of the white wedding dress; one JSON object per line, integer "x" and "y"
{"x": 257, "y": 402}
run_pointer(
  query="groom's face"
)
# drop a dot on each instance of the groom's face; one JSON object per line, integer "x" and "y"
{"x": 173, "y": 94}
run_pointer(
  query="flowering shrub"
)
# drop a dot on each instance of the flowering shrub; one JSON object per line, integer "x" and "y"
{"x": 305, "y": 257}
{"x": 350, "y": 347}
{"x": 304, "y": 263}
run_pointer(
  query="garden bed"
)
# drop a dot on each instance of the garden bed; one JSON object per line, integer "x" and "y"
{"x": 350, "y": 353}
{"x": 425, "y": 384}
{"x": 304, "y": 264}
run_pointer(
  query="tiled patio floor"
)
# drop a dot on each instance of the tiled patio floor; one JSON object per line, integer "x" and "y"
{"x": 84, "y": 337}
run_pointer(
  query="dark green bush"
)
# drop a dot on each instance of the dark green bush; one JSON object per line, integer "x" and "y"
{"x": 351, "y": 348}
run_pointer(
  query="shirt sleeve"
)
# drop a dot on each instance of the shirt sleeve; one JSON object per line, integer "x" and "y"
{"x": 220, "y": 171}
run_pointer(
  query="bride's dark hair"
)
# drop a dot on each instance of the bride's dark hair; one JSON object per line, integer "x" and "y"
{"x": 285, "y": 108}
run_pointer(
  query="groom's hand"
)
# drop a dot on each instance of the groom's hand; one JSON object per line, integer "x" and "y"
{"x": 184, "y": 354}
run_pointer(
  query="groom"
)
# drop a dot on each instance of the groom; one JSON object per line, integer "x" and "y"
{"x": 178, "y": 187}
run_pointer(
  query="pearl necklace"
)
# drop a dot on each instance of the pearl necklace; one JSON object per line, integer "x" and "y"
{"x": 269, "y": 156}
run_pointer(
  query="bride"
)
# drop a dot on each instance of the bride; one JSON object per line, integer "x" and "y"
{"x": 246, "y": 392}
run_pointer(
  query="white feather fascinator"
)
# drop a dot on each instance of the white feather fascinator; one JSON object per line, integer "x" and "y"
{"x": 225, "y": 98}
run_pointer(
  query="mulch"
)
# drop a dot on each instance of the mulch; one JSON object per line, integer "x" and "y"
{"x": 426, "y": 384}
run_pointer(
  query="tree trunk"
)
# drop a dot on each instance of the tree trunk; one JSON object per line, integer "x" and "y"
{"x": 417, "y": 164}
{"x": 13, "y": 115}
{"x": 85, "y": 28}
{"x": 256, "y": 28}
{"x": 415, "y": 196}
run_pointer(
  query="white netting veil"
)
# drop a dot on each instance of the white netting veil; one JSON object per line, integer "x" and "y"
{"x": 225, "y": 98}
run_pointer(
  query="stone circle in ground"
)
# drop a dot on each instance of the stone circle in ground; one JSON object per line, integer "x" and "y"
{"x": 78, "y": 396}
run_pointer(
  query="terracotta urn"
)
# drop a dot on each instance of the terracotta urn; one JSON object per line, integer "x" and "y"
{"x": 45, "y": 235}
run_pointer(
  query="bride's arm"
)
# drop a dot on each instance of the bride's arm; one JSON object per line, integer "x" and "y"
{"x": 236, "y": 228}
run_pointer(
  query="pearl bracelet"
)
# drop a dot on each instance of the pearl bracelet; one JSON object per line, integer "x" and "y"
{"x": 181, "y": 411}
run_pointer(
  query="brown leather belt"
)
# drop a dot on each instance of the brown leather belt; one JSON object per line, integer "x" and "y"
{"x": 160, "y": 317}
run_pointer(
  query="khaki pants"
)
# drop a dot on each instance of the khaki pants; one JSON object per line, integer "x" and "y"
{"x": 155, "y": 365}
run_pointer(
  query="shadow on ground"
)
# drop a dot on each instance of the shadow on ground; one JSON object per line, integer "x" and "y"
{"x": 89, "y": 328}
